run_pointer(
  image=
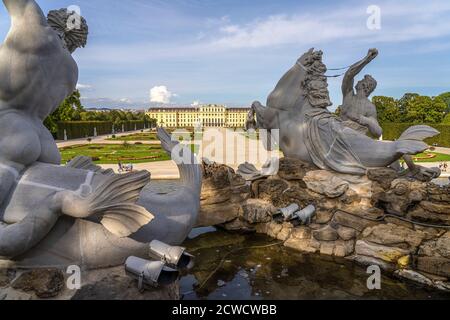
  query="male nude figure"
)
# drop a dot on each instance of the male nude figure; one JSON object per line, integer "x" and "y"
{"x": 358, "y": 111}
{"x": 37, "y": 72}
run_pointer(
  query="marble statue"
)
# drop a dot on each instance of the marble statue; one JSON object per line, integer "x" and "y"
{"x": 250, "y": 123}
{"x": 308, "y": 131}
{"x": 79, "y": 214}
{"x": 357, "y": 111}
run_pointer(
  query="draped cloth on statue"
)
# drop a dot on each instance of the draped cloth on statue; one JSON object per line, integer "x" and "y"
{"x": 326, "y": 140}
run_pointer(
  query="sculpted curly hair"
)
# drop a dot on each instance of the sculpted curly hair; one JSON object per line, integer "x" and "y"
{"x": 73, "y": 37}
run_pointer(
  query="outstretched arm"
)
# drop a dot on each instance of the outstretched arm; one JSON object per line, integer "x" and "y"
{"x": 28, "y": 9}
{"x": 349, "y": 79}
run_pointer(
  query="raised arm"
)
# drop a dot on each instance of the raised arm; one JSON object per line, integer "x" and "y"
{"x": 25, "y": 9}
{"x": 349, "y": 79}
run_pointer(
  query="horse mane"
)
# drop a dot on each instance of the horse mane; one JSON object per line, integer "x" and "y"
{"x": 305, "y": 81}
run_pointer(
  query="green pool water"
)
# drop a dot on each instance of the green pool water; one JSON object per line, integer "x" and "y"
{"x": 279, "y": 273}
{"x": 256, "y": 269}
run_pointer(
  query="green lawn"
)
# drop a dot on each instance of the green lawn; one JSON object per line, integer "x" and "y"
{"x": 113, "y": 153}
{"x": 439, "y": 157}
{"x": 146, "y": 136}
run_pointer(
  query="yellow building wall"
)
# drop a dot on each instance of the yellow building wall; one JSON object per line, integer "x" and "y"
{"x": 207, "y": 116}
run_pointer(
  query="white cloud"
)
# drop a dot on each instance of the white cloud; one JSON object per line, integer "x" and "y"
{"x": 126, "y": 100}
{"x": 196, "y": 103}
{"x": 160, "y": 94}
{"x": 418, "y": 20}
{"x": 81, "y": 86}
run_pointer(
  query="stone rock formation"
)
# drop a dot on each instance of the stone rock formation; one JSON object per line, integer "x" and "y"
{"x": 382, "y": 218}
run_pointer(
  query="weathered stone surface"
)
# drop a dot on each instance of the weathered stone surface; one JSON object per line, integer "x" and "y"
{"x": 327, "y": 248}
{"x": 323, "y": 216}
{"x": 114, "y": 284}
{"x": 292, "y": 169}
{"x": 262, "y": 228}
{"x": 4, "y": 277}
{"x": 437, "y": 248}
{"x": 273, "y": 229}
{"x": 302, "y": 245}
{"x": 45, "y": 283}
{"x": 326, "y": 183}
{"x": 434, "y": 265}
{"x": 285, "y": 232}
{"x": 215, "y": 196}
{"x": 388, "y": 254}
{"x": 257, "y": 211}
{"x": 384, "y": 176}
{"x": 370, "y": 261}
{"x": 272, "y": 190}
{"x": 437, "y": 193}
{"x": 436, "y": 207}
{"x": 351, "y": 221}
{"x": 326, "y": 234}
{"x": 430, "y": 233}
{"x": 301, "y": 233}
{"x": 394, "y": 235}
{"x": 216, "y": 176}
{"x": 402, "y": 195}
{"x": 343, "y": 248}
{"x": 414, "y": 276}
{"x": 238, "y": 225}
{"x": 399, "y": 222}
{"x": 215, "y": 214}
{"x": 346, "y": 233}
{"x": 10, "y": 294}
{"x": 422, "y": 215}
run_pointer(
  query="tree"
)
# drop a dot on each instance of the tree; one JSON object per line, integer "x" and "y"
{"x": 69, "y": 110}
{"x": 422, "y": 109}
{"x": 446, "y": 119}
{"x": 403, "y": 102}
{"x": 446, "y": 98}
{"x": 388, "y": 109}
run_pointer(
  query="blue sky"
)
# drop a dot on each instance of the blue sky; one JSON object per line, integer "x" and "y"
{"x": 234, "y": 51}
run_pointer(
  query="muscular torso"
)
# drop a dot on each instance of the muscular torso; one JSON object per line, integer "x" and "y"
{"x": 355, "y": 106}
{"x": 36, "y": 72}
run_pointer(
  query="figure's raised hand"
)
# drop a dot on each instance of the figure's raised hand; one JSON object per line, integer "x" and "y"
{"x": 373, "y": 53}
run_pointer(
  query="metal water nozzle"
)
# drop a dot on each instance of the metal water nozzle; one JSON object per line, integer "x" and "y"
{"x": 150, "y": 273}
{"x": 175, "y": 257}
{"x": 305, "y": 215}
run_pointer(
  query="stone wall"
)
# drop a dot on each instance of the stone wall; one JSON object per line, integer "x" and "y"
{"x": 366, "y": 219}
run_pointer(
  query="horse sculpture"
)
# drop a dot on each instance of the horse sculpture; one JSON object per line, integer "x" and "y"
{"x": 309, "y": 132}
{"x": 79, "y": 214}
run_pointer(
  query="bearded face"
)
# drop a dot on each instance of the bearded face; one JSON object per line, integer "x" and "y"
{"x": 71, "y": 28}
{"x": 318, "y": 94}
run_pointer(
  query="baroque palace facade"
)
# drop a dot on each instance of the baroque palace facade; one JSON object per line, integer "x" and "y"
{"x": 205, "y": 116}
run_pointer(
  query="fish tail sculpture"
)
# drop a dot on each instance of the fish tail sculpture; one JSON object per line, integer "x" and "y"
{"x": 81, "y": 214}
{"x": 113, "y": 202}
{"x": 175, "y": 212}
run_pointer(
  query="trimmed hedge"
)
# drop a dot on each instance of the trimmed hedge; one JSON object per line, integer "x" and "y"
{"x": 392, "y": 131}
{"x": 85, "y": 129}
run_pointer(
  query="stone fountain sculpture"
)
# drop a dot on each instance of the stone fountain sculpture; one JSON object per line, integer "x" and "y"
{"x": 311, "y": 133}
{"x": 54, "y": 216}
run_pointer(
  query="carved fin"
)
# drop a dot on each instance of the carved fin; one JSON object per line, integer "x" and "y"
{"x": 419, "y": 133}
{"x": 114, "y": 202}
{"x": 86, "y": 163}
